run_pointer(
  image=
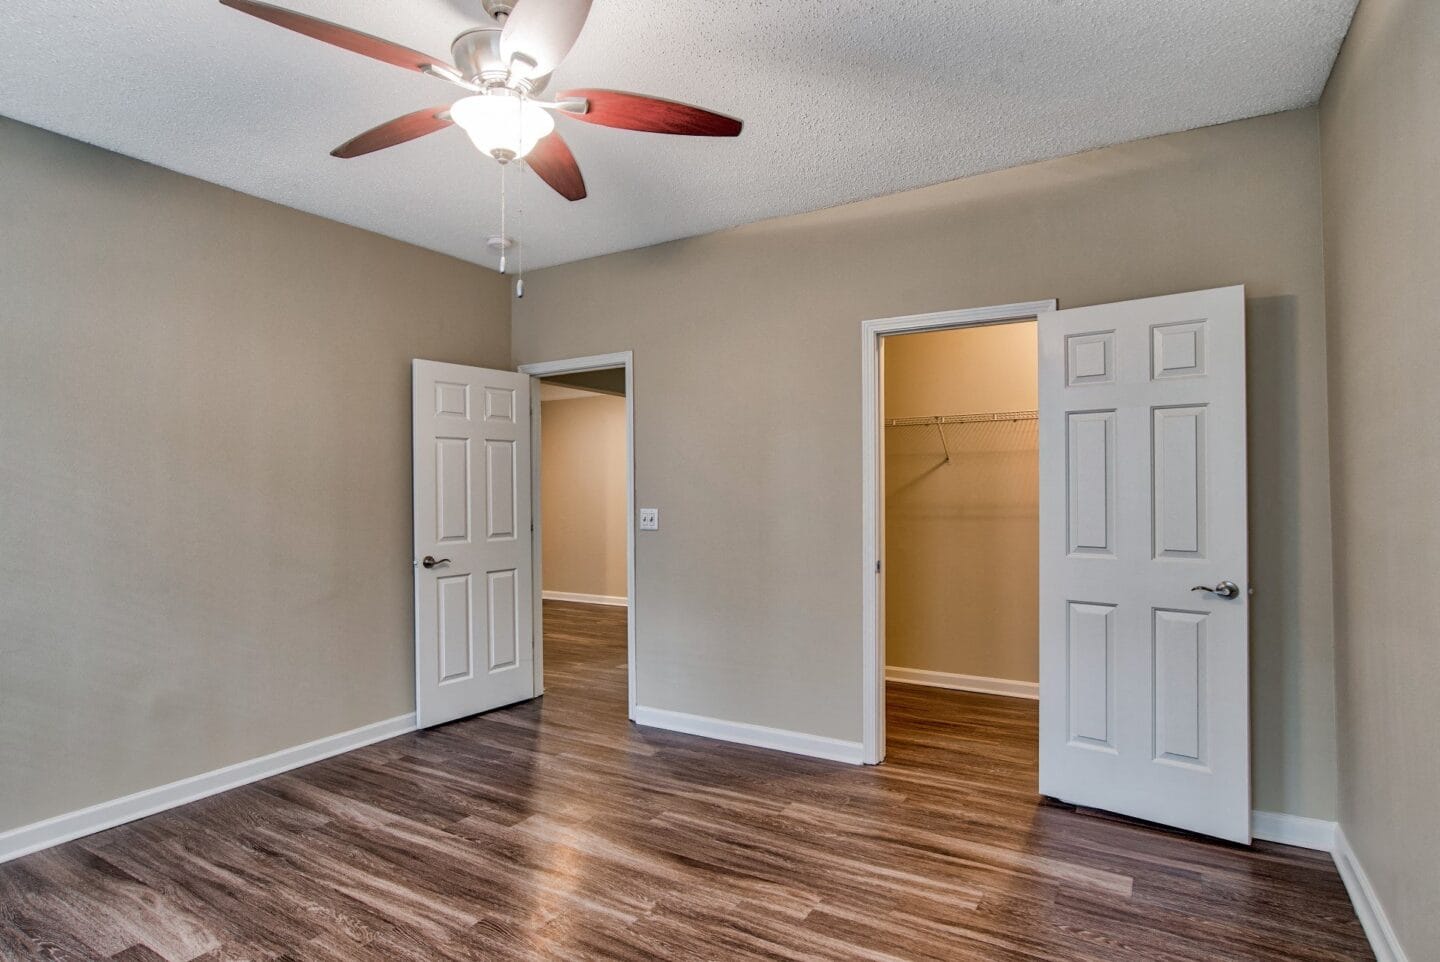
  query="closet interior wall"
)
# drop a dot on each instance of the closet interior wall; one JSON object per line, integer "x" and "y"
{"x": 961, "y": 536}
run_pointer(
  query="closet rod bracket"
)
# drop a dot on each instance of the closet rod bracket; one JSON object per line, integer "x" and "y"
{"x": 940, "y": 429}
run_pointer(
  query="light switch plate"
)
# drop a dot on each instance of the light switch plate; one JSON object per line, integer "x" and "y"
{"x": 649, "y": 519}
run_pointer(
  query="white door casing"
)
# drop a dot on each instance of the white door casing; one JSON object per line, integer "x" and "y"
{"x": 473, "y": 609}
{"x": 1144, "y": 682}
{"x": 872, "y": 489}
{"x": 577, "y": 365}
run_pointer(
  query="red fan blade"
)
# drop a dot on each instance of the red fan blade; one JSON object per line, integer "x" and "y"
{"x": 396, "y": 131}
{"x": 333, "y": 33}
{"x": 615, "y": 108}
{"x": 553, "y": 163}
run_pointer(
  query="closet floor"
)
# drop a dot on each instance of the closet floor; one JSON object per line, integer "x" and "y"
{"x": 556, "y": 829}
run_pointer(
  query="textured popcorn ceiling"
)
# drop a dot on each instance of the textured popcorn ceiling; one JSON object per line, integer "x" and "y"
{"x": 841, "y": 99}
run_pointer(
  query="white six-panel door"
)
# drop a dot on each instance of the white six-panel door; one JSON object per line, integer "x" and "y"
{"x": 473, "y": 579}
{"x": 1144, "y": 682}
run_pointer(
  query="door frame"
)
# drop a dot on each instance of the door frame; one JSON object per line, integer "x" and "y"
{"x": 579, "y": 365}
{"x": 872, "y": 627}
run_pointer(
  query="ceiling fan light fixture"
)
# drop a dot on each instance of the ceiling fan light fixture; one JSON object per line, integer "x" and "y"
{"x": 501, "y": 124}
{"x": 504, "y": 60}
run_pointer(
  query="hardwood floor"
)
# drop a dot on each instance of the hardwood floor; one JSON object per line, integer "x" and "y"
{"x": 556, "y": 830}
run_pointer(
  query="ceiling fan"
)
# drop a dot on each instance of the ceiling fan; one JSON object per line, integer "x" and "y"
{"x": 504, "y": 63}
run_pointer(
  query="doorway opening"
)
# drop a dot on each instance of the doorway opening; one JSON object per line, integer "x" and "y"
{"x": 936, "y": 430}
{"x": 582, "y": 425}
{"x": 960, "y": 462}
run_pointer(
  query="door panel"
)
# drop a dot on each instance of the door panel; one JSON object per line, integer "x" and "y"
{"x": 1144, "y": 683}
{"x": 457, "y": 627}
{"x": 503, "y": 589}
{"x": 501, "y": 482}
{"x": 1178, "y": 491}
{"x": 1179, "y": 655}
{"x": 473, "y": 610}
{"x": 452, "y": 490}
{"x": 1090, "y": 651}
{"x": 1090, "y": 478}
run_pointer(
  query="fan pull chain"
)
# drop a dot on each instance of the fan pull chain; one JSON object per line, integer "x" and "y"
{"x": 520, "y": 200}
{"x": 520, "y": 228}
{"x": 504, "y": 238}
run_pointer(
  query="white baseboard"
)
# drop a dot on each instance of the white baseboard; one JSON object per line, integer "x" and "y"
{"x": 1326, "y": 836}
{"x": 1383, "y": 941}
{"x": 617, "y": 601}
{"x": 1297, "y": 830}
{"x": 945, "y": 679}
{"x": 86, "y": 821}
{"x": 779, "y": 739}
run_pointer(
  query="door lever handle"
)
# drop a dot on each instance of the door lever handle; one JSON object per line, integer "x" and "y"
{"x": 430, "y": 561}
{"x": 1225, "y": 589}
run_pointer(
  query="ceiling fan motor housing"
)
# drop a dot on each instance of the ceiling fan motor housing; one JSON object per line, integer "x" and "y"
{"x": 477, "y": 56}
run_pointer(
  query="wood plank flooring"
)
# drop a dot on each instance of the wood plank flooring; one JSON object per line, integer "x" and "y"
{"x": 556, "y": 830}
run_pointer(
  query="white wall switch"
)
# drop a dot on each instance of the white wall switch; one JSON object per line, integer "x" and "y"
{"x": 649, "y": 519}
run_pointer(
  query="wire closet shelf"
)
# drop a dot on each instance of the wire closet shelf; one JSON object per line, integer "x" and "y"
{"x": 962, "y": 418}
{"x": 938, "y": 421}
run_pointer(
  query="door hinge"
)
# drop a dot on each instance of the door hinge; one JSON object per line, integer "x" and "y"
{"x": 877, "y": 566}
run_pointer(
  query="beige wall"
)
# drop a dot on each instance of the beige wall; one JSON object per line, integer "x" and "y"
{"x": 1380, "y": 140}
{"x": 582, "y": 490}
{"x": 747, "y": 406}
{"x": 962, "y": 565}
{"x": 962, "y": 371}
{"x": 205, "y": 479}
